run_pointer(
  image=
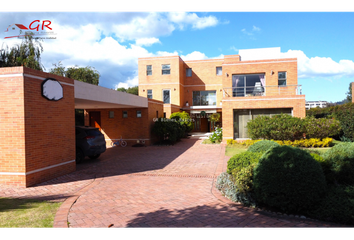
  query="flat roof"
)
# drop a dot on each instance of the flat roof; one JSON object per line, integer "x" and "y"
{"x": 89, "y": 96}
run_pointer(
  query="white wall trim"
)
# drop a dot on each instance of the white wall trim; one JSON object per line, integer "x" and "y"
{"x": 31, "y": 76}
{"x": 260, "y": 99}
{"x": 177, "y": 83}
{"x": 126, "y": 139}
{"x": 37, "y": 170}
{"x": 242, "y": 63}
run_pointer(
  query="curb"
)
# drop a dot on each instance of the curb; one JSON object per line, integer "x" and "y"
{"x": 61, "y": 217}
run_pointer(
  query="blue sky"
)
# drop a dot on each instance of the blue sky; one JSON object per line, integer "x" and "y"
{"x": 113, "y": 41}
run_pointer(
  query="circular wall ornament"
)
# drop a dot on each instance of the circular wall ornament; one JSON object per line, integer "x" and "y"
{"x": 202, "y": 113}
{"x": 52, "y": 89}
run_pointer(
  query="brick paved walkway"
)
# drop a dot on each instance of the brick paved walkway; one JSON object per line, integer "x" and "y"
{"x": 166, "y": 186}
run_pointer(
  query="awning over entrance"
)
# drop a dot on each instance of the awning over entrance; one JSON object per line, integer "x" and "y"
{"x": 88, "y": 96}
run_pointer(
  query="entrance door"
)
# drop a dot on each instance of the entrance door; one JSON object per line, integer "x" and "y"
{"x": 95, "y": 119}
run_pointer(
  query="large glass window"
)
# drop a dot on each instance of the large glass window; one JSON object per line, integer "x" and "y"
{"x": 248, "y": 85}
{"x": 204, "y": 98}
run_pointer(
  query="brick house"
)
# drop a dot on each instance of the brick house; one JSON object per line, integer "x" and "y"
{"x": 37, "y": 132}
{"x": 238, "y": 87}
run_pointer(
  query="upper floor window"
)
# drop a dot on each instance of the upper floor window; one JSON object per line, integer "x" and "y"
{"x": 188, "y": 72}
{"x": 218, "y": 71}
{"x": 125, "y": 114}
{"x": 248, "y": 85}
{"x": 166, "y": 69}
{"x": 204, "y": 98}
{"x": 138, "y": 114}
{"x": 281, "y": 78}
{"x": 149, "y": 93}
{"x": 148, "y": 70}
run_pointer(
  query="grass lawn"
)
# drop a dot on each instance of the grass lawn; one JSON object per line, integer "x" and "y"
{"x": 232, "y": 150}
{"x": 27, "y": 213}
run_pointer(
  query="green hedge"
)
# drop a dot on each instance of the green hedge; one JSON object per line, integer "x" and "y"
{"x": 242, "y": 160}
{"x": 262, "y": 146}
{"x": 285, "y": 127}
{"x": 168, "y": 130}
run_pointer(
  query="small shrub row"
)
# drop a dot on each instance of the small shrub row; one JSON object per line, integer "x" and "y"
{"x": 168, "y": 131}
{"x": 285, "y": 127}
{"x": 305, "y": 143}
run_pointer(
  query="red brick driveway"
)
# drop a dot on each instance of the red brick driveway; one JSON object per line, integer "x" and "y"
{"x": 157, "y": 186}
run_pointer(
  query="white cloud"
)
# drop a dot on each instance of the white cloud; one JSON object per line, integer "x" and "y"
{"x": 146, "y": 41}
{"x": 194, "y": 56}
{"x": 183, "y": 19}
{"x": 233, "y": 48}
{"x": 252, "y": 32}
{"x": 130, "y": 82}
{"x": 320, "y": 66}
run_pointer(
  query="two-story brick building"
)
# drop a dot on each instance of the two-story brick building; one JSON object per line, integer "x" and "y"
{"x": 237, "y": 87}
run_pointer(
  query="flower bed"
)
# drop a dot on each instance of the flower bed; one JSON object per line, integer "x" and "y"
{"x": 305, "y": 143}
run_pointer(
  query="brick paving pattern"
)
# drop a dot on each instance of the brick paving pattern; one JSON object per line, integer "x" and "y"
{"x": 156, "y": 186}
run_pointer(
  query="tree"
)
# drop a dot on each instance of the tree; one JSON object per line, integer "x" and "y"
{"x": 84, "y": 74}
{"x": 131, "y": 90}
{"x": 349, "y": 93}
{"x": 27, "y": 54}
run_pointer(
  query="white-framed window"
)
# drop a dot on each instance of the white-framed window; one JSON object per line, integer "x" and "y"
{"x": 166, "y": 69}
{"x": 148, "y": 70}
{"x": 188, "y": 72}
{"x": 218, "y": 71}
{"x": 282, "y": 78}
{"x": 149, "y": 93}
{"x": 166, "y": 95}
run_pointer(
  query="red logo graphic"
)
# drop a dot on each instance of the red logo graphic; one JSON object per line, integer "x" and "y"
{"x": 35, "y": 25}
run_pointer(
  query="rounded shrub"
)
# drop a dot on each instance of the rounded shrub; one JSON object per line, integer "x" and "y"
{"x": 244, "y": 178}
{"x": 288, "y": 179}
{"x": 341, "y": 160}
{"x": 262, "y": 146}
{"x": 242, "y": 160}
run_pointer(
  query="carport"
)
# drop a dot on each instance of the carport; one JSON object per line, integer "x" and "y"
{"x": 37, "y": 134}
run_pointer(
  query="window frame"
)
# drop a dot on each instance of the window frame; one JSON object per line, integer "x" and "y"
{"x": 217, "y": 71}
{"x": 169, "y": 90}
{"x": 125, "y": 114}
{"x": 148, "y": 70}
{"x": 167, "y": 71}
{"x": 190, "y": 71}
{"x": 282, "y": 79}
{"x": 149, "y": 94}
{"x": 200, "y": 100}
{"x": 138, "y": 113}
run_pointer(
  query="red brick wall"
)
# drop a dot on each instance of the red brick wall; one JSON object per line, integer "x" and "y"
{"x": 12, "y": 127}
{"x": 131, "y": 128}
{"x": 39, "y": 133}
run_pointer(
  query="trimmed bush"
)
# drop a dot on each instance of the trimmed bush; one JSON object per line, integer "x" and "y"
{"x": 279, "y": 127}
{"x": 244, "y": 179}
{"x": 167, "y": 130}
{"x": 242, "y": 160}
{"x": 337, "y": 206}
{"x": 262, "y": 146}
{"x": 341, "y": 160}
{"x": 325, "y": 165}
{"x": 321, "y": 128}
{"x": 288, "y": 179}
{"x": 225, "y": 183}
{"x": 184, "y": 119}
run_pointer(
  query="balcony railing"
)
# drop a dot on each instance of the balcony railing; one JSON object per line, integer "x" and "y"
{"x": 262, "y": 91}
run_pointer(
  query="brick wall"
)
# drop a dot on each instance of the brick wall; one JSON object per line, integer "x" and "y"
{"x": 39, "y": 135}
{"x": 131, "y": 128}
{"x": 296, "y": 102}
